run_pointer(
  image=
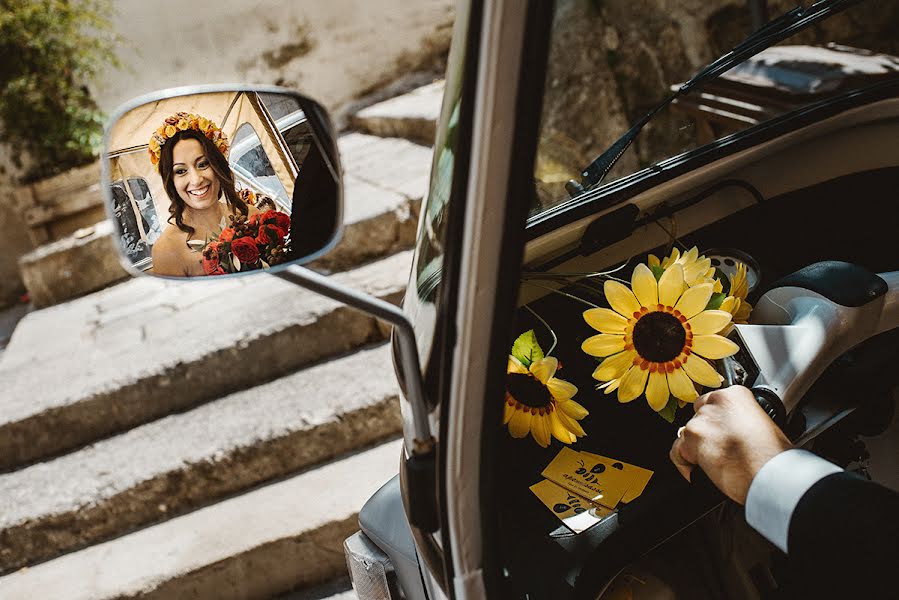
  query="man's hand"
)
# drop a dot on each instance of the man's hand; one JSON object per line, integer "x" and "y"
{"x": 730, "y": 437}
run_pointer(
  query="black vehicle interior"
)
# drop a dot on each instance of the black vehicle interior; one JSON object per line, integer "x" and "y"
{"x": 853, "y": 218}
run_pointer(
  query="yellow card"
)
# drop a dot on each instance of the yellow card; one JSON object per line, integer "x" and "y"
{"x": 638, "y": 475}
{"x": 589, "y": 478}
{"x": 576, "y": 513}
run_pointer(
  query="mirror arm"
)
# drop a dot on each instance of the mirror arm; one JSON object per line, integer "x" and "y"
{"x": 389, "y": 313}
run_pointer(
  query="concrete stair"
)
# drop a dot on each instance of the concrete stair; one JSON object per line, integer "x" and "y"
{"x": 142, "y": 426}
{"x": 184, "y": 460}
{"x": 412, "y": 116}
{"x": 257, "y": 545}
{"x": 150, "y": 347}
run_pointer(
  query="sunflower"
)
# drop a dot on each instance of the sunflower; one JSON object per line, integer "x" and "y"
{"x": 736, "y": 303}
{"x": 657, "y": 337}
{"x": 540, "y": 403}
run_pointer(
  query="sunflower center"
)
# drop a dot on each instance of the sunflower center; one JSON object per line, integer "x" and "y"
{"x": 659, "y": 337}
{"x": 527, "y": 390}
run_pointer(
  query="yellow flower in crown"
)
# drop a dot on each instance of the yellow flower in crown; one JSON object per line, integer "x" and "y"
{"x": 538, "y": 402}
{"x": 658, "y": 337}
{"x": 183, "y": 121}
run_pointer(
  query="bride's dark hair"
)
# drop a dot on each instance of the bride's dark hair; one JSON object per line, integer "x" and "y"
{"x": 219, "y": 166}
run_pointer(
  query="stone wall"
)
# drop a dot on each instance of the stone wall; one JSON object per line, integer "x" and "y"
{"x": 334, "y": 51}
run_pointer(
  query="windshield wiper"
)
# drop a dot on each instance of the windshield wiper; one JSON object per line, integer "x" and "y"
{"x": 769, "y": 34}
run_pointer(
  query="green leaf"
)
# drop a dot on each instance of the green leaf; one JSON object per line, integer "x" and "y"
{"x": 657, "y": 271}
{"x": 670, "y": 410}
{"x": 526, "y": 349}
{"x": 715, "y": 301}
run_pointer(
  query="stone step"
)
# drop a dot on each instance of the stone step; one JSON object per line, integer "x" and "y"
{"x": 83, "y": 370}
{"x": 339, "y": 589}
{"x": 384, "y": 182}
{"x": 281, "y": 537}
{"x": 190, "y": 459}
{"x": 412, "y": 116}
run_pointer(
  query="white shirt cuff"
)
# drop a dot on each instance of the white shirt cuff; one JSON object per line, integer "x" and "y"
{"x": 777, "y": 488}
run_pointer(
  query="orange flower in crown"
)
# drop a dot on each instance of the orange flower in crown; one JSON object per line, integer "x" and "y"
{"x": 179, "y": 122}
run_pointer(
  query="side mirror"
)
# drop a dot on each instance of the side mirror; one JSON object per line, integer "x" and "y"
{"x": 216, "y": 180}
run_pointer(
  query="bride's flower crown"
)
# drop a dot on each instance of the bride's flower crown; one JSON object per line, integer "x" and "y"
{"x": 179, "y": 122}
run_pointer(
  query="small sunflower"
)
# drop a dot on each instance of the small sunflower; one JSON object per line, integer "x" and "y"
{"x": 736, "y": 303}
{"x": 697, "y": 268}
{"x": 657, "y": 337}
{"x": 540, "y": 403}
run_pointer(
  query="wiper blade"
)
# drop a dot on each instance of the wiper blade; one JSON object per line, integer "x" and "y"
{"x": 769, "y": 34}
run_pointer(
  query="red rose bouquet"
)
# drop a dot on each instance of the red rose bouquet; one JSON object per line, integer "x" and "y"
{"x": 248, "y": 244}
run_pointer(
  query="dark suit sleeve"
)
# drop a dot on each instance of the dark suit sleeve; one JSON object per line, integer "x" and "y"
{"x": 843, "y": 540}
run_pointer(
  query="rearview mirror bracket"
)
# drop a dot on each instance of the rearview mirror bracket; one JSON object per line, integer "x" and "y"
{"x": 423, "y": 442}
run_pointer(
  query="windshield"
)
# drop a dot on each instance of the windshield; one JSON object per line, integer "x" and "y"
{"x": 605, "y": 72}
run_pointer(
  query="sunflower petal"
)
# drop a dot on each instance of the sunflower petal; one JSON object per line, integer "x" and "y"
{"x": 653, "y": 261}
{"x": 644, "y": 285}
{"x": 632, "y": 384}
{"x": 559, "y": 431}
{"x": 692, "y": 255}
{"x": 610, "y": 386}
{"x": 545, "y": 368}
{"x": 621, "y": 298}
{"x": 730, "y": 304}
{"x": 709, "y": 321}
{"x": 694, "y": 272}
{"x": 672, "y": 258}
{"x": 520, "y": 423}
{"x": 572, "y": 408}
{"x": 741, "y": 315}
{"x": 570, "y": 424}
{"x": 671, "y": 285}
{"x": 605, "y": 320}
{"x": 561, "y": 389}
{"x": 657, "y": 391}
{"x": 694, "y": 300}
{"x": 605, "y": 344}
{"x": 515, "y": 366}
{"x": 714, "y": 346}
{"x": 614, "y": 366}
{"x": 508, "y": 411}
{"x": 681, "y": 387}
{"x": 540, "y": 429}
{"x": 700, "y": 371}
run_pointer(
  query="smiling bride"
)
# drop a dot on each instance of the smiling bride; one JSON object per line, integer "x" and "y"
{"x": 190, "y": 152}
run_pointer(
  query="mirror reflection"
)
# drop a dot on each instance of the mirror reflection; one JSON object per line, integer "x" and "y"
{"x": 207, "y": 184}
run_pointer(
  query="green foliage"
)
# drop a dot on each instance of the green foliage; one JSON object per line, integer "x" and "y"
{"x": 526, "y": 349}
{"x": 668, "y": 413}
{"x": 51, "y": 49}
{"x": 716, "y": 301}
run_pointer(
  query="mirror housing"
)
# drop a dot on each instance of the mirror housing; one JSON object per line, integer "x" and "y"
{"x": 221, "y": 180}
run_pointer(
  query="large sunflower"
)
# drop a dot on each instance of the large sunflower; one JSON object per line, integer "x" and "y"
{"x": 657, "y": 337}
{"x": 540, "y": 403}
